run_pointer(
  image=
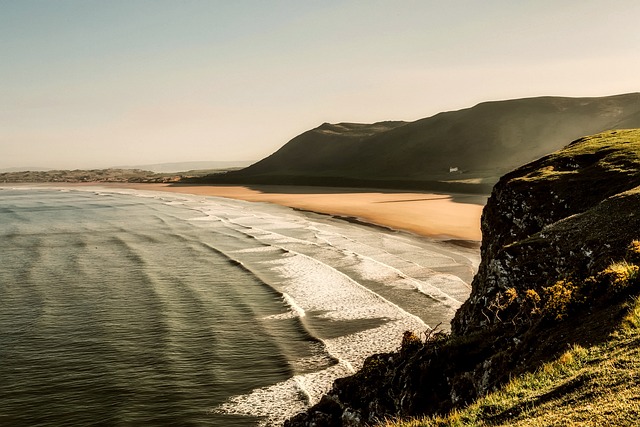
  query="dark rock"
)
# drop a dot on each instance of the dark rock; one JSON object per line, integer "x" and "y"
{"x": 566, "y": 216}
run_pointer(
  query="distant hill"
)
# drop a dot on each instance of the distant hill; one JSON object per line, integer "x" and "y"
{"x": 462, "y": 150}
{"x": 24, "y": 169}
{"x": 108, "y": 175}
{"x": 86, "y": 175}
{"x": 189, "y": 166}
{"x": 194, "y": 168}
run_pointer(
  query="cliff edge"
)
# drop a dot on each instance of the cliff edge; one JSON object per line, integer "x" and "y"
{"x": 560, "y": 255}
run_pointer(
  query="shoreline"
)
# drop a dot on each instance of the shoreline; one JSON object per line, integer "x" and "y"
{"x": 449, "y": 217}
{"x": 434, "y": 215}
{"x": 308, "y": 282}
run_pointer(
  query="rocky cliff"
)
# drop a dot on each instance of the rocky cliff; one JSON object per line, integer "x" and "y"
{"x": 561, "y": 244}
{"x": 556, "y": 217}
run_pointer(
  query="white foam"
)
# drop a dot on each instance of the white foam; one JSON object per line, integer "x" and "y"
{"x": 434, "y": 259}
{"x": 278, "y": 402}
{"x": 299, "y": 311}
{"x": 317, "y": 265}
{"x": 257, "y": 249}
{"x": 449, "y": 283}
{"x": 205, "y": 218}
{"x": 320, "y": 287}
{"x": 285, "y": 399}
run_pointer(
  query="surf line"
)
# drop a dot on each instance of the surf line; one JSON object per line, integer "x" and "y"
{"x": 317, "y": 261}
{"x": 435, "y": 293}
{"x": 300, "y": 311}
{"x": 402, "y": 311}
{"x": 296, "y": 307}
{"x": 287, "y": 299}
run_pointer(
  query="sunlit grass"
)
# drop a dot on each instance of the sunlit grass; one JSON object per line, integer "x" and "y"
{"x": 612, "y": 151}
{"x": 583, "y": 387}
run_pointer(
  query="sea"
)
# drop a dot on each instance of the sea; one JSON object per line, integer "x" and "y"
{"x": 137, "y": 308}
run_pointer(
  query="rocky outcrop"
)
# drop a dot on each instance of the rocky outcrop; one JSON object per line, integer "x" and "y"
{"x": 553, "y": 227}
{"x": 544, "y": 220}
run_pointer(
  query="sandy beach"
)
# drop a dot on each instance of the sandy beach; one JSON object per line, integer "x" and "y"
{"x": 435, "y": 215}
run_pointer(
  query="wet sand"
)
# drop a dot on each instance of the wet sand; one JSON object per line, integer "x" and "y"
{"x": 443, "y": 216}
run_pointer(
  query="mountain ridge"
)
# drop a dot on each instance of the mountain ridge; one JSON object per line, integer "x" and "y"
{"x": 447, "y": 150}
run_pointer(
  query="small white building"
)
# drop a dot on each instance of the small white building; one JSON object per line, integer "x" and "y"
{"x": 453, "y": 169}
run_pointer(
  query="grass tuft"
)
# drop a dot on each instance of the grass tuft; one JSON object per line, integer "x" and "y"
{"x": 620, "y": 275}
{"x": 631, "y": 322}
{"x": 559, "y": 297}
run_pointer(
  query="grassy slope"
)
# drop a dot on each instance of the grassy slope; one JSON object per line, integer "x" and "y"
{"x": 617, "y": 151}
{"x": 592, "y": 386}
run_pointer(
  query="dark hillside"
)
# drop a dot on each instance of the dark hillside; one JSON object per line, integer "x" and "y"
{"x": 482, "y": 142}
{"x": 328, "y": 148}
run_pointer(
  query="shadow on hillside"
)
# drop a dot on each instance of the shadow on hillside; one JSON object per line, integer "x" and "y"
{"x": 481, "y": 183}
{"x": 471, "y": 198}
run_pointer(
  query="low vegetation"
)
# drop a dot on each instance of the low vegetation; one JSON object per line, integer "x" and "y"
{"x": 597, "y": 385}
{"x": 615, "y": 151}
{"x": 594, "y": 386}
{"x": 568, "y": 294}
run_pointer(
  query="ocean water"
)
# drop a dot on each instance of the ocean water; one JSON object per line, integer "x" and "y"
{"x": 129, "y": 308}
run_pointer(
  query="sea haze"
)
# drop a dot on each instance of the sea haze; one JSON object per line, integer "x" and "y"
{"x": 140, "y": 308}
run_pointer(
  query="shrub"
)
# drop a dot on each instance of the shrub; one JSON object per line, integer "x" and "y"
{"x": 500, "y": 303}
{"x": 620, "y": 274}
{"x": 511, "y": 295}
{"x": 631, "y": 321}
{"x": 558, "y": 298}
{"x": 410, "y": 342}
{"x": 372, "y": 369}
{"x": 529, "y": 306}
{"x": 531, "y": 303}
{"x": 519, "y": 308}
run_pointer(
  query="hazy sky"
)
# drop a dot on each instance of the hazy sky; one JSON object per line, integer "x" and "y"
{"x": 100, "y": 83}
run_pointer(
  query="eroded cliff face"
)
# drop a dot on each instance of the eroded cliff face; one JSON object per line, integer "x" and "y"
{"x": 529, "y": 235}
{"x": 559, "y": 221}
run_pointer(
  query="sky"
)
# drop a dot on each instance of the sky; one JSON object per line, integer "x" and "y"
{"x": 94, "y": 83}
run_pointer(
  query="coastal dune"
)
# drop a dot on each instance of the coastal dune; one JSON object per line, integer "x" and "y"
{"x": 445, "y": 216}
